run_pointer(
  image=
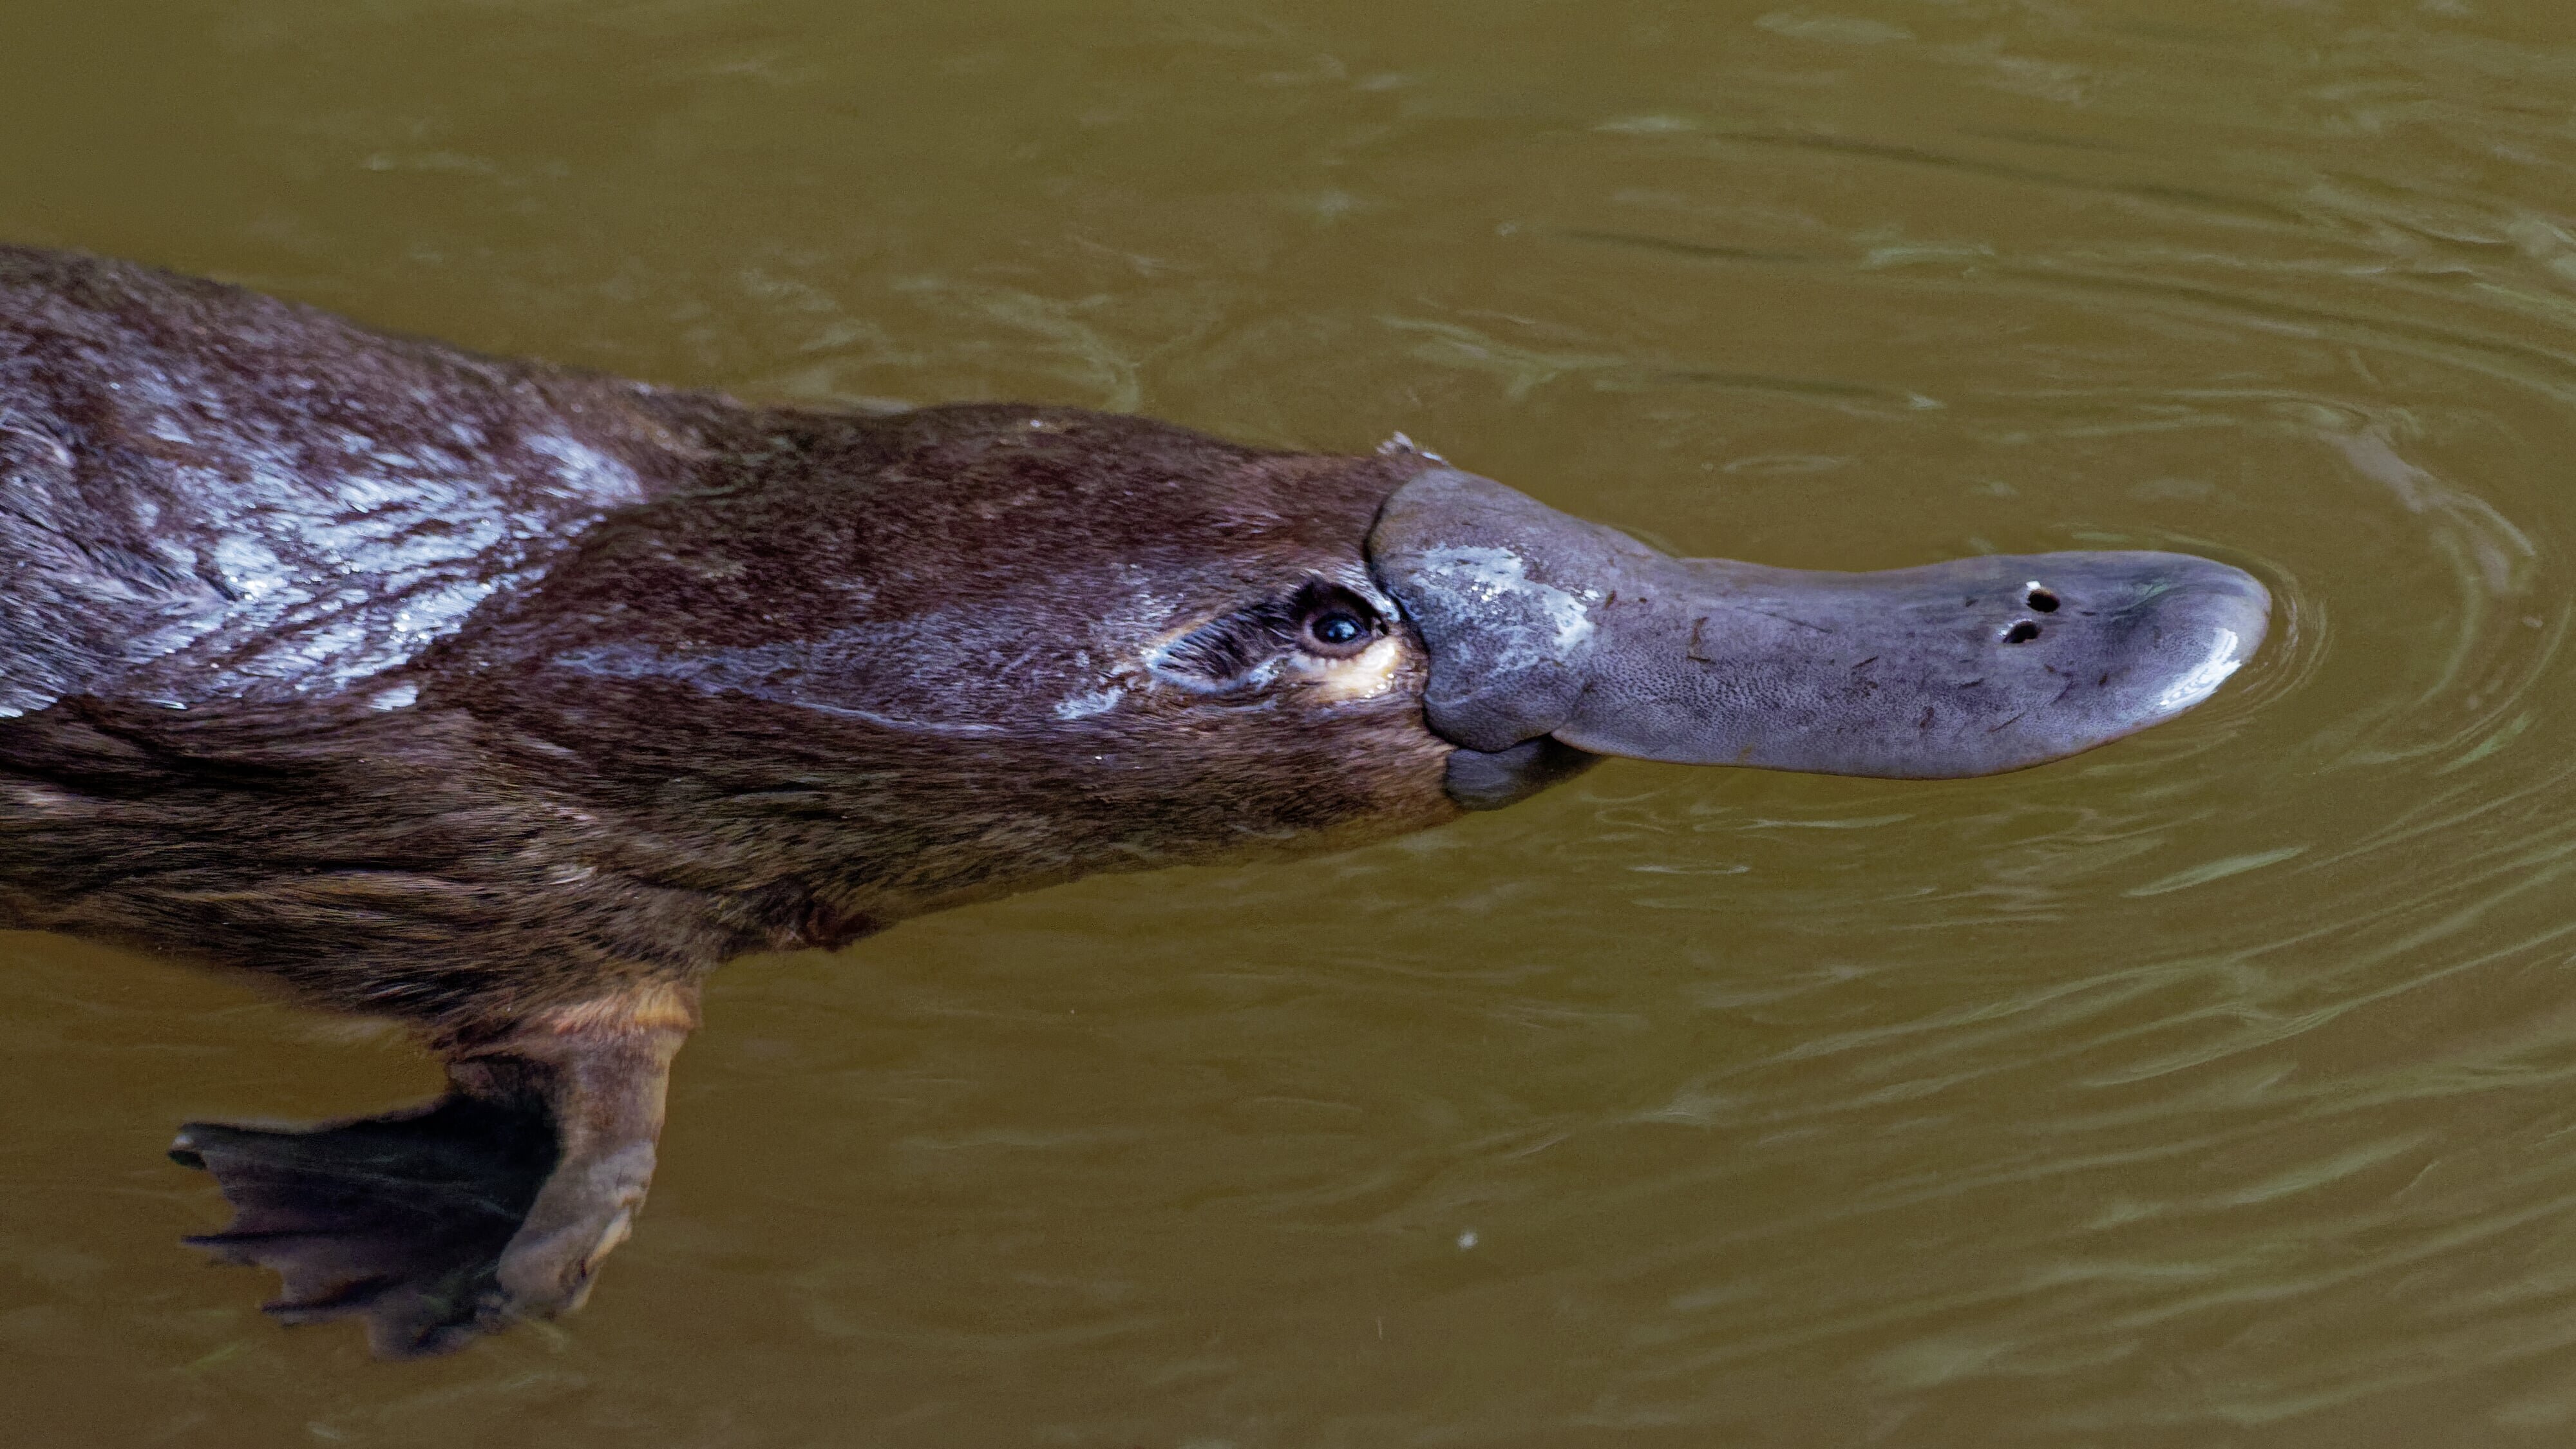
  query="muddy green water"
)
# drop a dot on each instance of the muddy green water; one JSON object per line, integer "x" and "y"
{"x": 2218, "y": 1088}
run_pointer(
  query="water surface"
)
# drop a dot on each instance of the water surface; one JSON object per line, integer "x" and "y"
{"x": 2212, "y": 1089}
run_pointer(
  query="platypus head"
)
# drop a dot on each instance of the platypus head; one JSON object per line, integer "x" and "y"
{"x": 1521, "y": 644}
{"x": 995, "y": 646}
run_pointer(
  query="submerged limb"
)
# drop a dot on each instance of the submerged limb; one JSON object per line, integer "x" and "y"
{"x": 498, "y": 1201}
{"x": 603, "y": 1070}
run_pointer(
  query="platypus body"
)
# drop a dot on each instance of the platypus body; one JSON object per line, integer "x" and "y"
{"x": 509, "y": 701}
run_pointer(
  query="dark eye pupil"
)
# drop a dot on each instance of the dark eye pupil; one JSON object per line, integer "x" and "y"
{"x": 1339, "y": 628}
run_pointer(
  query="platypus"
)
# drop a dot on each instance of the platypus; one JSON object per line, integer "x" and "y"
{"x": 508, "y": 701}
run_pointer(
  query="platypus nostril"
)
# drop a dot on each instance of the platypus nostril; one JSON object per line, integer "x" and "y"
{"x": 2041, "y": 599}
{"x": 2022, "y": 632}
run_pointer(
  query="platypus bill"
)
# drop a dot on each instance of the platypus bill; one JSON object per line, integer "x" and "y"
{"x": 509, "y": 701}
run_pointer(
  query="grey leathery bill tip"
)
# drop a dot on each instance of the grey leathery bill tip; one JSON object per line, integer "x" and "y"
{"x": 1541, "y": 624}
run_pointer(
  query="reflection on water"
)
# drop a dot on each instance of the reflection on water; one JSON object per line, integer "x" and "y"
{"x": 2209, "y": 1089}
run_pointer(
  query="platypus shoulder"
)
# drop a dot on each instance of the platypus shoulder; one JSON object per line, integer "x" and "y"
{"x": 213, "y": 492}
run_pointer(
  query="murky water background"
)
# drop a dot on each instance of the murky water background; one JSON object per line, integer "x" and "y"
{"x": 2218, "y": 1088}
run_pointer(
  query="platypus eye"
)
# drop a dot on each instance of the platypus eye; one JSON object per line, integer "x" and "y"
{"x": 1243, "y": 648}
{"x": 1336, "y": 624}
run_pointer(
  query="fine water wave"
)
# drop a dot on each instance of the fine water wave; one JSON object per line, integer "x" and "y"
{"x": 2208, "y": 1089}
{"x": 2167, "y": 1057}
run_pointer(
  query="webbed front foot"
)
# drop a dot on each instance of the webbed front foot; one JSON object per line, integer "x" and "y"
{"x": 401, "y": 1220}
{"x": 499, "y": 1201}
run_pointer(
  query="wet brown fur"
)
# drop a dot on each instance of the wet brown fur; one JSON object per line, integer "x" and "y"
{"x": 769, "y": 700}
